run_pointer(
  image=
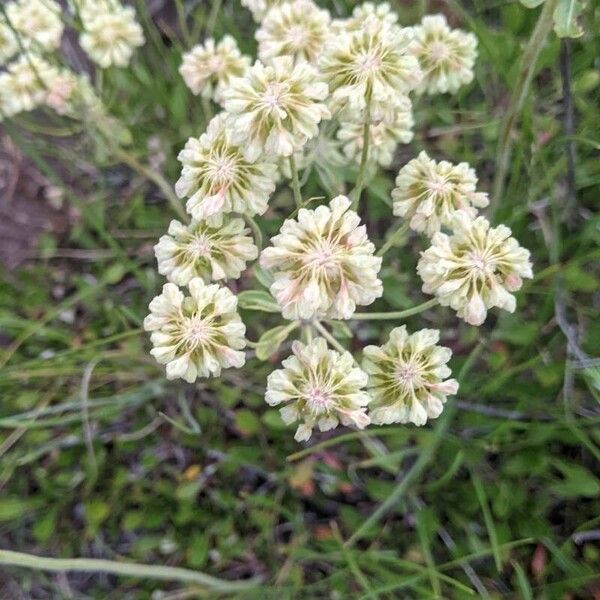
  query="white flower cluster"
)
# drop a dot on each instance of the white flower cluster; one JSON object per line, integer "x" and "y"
{"x": 328, "y": 94}
{"x": 30, "y": 37}
{"x": 111, "y": 32}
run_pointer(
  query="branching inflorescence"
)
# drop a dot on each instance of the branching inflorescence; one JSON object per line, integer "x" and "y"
{"x": 329, "y": 96}
{"x": 339, "y": 87}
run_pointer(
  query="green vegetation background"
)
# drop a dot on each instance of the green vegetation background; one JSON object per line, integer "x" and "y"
{"x": 101, "y": 457}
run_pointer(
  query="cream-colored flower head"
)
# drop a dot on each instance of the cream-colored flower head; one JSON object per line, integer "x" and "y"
{"x": 208, "y": 68}
{"x": 374, "y": 62}
{"x": 276, "y": 109}
{"x": 218, "y": 178}
{"x": 65, "y": 92}
{"x": 24, "y": 84}
{"x": 384, "y": 137}
{"x": 110, "y": 38}
{"x": 475, "y": 268}
{"x": 447, "y": 56}
{"x": 8, "y": 43}
{"x": 259, "y": 8}
{"x": 87, "y": 9}
{"x": 323, "y": 263}
{"x": 214, "y": 249}
{"x": 38, "y": 23}
{"x": 298, "y": 28}
{"x": 408, "y": 377}
{"x": 196, "y": 335}
{"x": 319, "y": 387}
{"x": 428, "y": 193}
{"x": 361, "y": 13}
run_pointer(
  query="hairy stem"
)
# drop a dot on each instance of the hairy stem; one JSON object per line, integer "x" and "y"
{"x": 40, "y": 563}
{"x": 383, "y": 316}
{"x": 527, "y": 66}
{"x": 394, "y": 238}
{"x": 330, "y": 339}
{"x": 258, "y": 237}
{"x": 364, "y": 158}
{"x": 155, "y": 178}
{"x": 295, "y": 182}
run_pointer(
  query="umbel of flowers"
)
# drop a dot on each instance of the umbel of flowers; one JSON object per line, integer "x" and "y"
{"x": 326, "y": 93}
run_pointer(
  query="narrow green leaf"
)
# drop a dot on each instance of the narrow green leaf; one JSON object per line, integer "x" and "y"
{"x": 489, "y": 521}
{"x": 258, "y": 300}
{"x": 270, "y": 341}
{"x": 565, "y": 18}
{"x": 531, "y": 3}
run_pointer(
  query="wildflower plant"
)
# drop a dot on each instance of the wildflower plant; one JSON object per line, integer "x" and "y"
{"x": 331, "y": 96}
{"x": 326, "y": 100}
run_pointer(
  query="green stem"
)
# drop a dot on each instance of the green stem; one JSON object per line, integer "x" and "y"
{"x": 212, "y": 17}
{"x": 40, "y": 563}
{"x": 295, "y": 182}
{"x": 330, "y": 339}
{"x": 364, "y": 158}
{"x": 155, "y": 178}
{"x": 527, "y": 66}
{"x": 182, "y": 21}
{"x": 382, "y": 316}
{"x": 207, "y": 109}
{"x": 307, "y": 330}
{"x": 394, "y": 238}
{"x": 258, "y": 237}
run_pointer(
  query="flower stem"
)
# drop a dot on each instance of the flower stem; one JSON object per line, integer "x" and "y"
{"x": 295, "y": 182}
{"x": 41, "y": 563}
{"x": 155, "y": 178}
{"x": 212, "y": 17}
{"x": 307, "y": 330}
{"x": 364, "y": 158}
{"x": 394, "y": 238}
{"x": 527, "y": 66}
{"x": 207, "y": 109}
{"x": 330, "y": 339}
{"x": 258, "y": 237}
{"x": 383, "y": 316}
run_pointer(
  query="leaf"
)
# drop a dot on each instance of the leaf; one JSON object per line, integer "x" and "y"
{"x": 531, "y": 3}
{"x": 270, "y": 341}
{"x": 263, "y": 277}
{"x": 272, "y": 419}
{"x": 565, "y": 18}
{"x": 257, "y": 300}
{"x": 12, "y": 509}
{"x": 341, "y": 330}
{"x": 246, "y": 421}
{"x": 578, "y": 481}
